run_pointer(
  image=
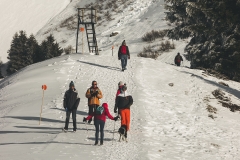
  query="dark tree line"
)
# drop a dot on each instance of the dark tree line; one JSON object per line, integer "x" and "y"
{"x": 25, "y": 51}
{"x": 214, "y": 29}
{"x": 0, "y": 69}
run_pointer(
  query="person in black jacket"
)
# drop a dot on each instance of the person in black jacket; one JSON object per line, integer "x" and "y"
{"x": 123, "y": 103}
{"x": 70, "y": 103}
{"x": 178, "y": 59}
{"x": 124, "y": 55}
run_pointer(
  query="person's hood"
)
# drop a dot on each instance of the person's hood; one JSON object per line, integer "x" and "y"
{"x": 123, "y": 94}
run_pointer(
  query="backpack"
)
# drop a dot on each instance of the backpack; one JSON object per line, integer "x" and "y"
{"x": 99, "y": 110}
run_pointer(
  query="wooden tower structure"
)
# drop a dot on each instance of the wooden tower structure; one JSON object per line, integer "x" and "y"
{"x": 88, "y": 17}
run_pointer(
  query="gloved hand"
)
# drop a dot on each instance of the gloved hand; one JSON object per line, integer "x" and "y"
{"x": 93, "y": 94}
{"x": 128, "y": 57}
{"x": 116, "y": 118}
{"x": 84, "y": 119}
{"x": 96, "y": 92}
{"x": 115, "y": 111}
{"x": 118, "y": 58}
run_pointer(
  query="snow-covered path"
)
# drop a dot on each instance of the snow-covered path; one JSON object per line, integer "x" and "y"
{"x": 166, "y": 122}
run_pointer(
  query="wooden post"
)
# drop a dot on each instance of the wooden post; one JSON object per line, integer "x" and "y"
{"x": 82, "y": 30}
{"x": 112, "y": 50}
{"x": 77, "y": 32}
{"x": 95, "y": 15}
{"x": 44, "y": 87}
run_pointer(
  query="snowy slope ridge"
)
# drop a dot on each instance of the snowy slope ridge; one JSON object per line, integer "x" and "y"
{"x": 167, "y": 122}
{"x": 27, "y": 15}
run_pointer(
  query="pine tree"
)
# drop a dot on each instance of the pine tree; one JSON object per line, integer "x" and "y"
{"x": 1, "y": 76}
{"x": 33, "y": 50}
{"x": 215, "y": 30}
{"x": 17, "y": 52}
{"x": 50, "y": 49}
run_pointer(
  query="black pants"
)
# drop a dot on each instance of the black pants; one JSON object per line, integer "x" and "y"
{"x": 178, "y": 63}
{"x": 74, "y": 111}
{"x": 99, "y": 124}
{"x": 91, "y": 109}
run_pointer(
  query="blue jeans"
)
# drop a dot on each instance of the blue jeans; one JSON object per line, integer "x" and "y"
{"x": 68, "y": 113}
{"x": 124, "y": 58}
{"x": 99, "y": 123}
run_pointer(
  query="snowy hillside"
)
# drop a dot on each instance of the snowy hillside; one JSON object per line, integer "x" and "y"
{"x": 27, "y": 15}
{"x": 169, "y": 116}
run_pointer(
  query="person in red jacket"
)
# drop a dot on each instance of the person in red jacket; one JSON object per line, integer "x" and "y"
{"x": 124, "y": 55}
{"x": 99, "y": 121}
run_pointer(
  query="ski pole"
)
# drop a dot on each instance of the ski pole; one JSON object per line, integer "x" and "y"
{"x": 113, "y": 132}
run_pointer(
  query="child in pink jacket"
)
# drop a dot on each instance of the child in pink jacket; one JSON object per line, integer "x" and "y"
{"x": 99, "y": 122}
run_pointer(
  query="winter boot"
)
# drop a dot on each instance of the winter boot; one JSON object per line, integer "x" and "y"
{"x": 101, "y": 143}
{"x": 64, "y": 130}
{"x": 96, "y": 143}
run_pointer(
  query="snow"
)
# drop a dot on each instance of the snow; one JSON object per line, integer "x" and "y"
{"x": 27, "y": 15}
{"x": 167, "y": 122}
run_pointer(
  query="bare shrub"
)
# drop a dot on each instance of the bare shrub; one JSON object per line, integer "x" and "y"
{"x": 148, "y": 52}
{"x": 70, "y": 23}
{"x": 166, "y": 46}
{"x": 211, "y": 109}
{"x": 68, "y": 50}
{"x": 109, "y": 5}
{"x": 108, "y": 16}
{"x": 152, "y": 35}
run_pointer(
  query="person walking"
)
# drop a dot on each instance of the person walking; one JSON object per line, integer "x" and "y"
{"x": 71, "y": 101}
{"x": 99, "y": 121}
{"x": 123, "y": 55}
{"x": 178, "y": 59}
{"x": 93, "y": 94}
{"x": 123, "y": 103}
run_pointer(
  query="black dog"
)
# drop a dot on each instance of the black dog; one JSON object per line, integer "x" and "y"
{"x": 123, "y": 133}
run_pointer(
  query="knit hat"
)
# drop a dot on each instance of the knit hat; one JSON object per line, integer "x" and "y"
{"x": 123, "y": 42}
{"x": 105, "y": 105}
{"x": 71, "y": 84}
{"x": 124, "y": 87}
{"x": 120, "y": 83}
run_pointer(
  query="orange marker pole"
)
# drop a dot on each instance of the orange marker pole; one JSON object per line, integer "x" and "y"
{"x": 112, "y": 50}
{"x": 81, "y": 30}
{"x": 44, "y": 87}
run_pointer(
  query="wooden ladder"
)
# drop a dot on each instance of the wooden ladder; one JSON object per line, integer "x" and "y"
{"x": 91, "y": 38}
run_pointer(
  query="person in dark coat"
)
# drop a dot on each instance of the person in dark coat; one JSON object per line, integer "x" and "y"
{"x": 99, "y": 122}
{"x": 123, "y": 55}
{"x": 70, "y": 103}
{"x": 178, "y": 59}
{"x": 123, "y": 103}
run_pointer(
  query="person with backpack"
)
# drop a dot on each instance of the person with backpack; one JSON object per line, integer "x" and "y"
{"x": 123, "y": 103}
{"x": 99, "y": 121}
{"x": 71, "y": 101}
{"x": 123, "y": 55}
{"x": 178, "y": 59}
{"x": 93, "y": 94}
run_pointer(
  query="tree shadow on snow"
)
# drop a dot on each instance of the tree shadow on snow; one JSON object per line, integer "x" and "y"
{"x": 227, "y": 89}
{"x": 47, "y": 132}
{"x": 50, "y": 142}
{"x": 98, "y": 65}
{"x": 104, "y": 139}
{"x": 35, "y": 119}
{"x": 78, "y": 112}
